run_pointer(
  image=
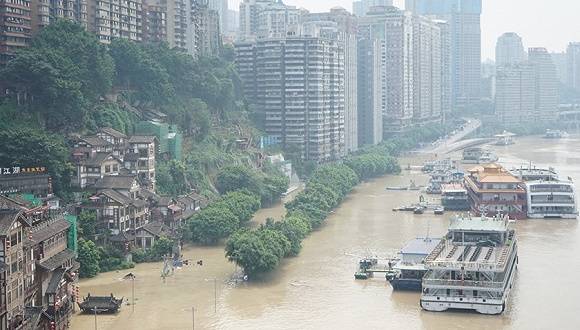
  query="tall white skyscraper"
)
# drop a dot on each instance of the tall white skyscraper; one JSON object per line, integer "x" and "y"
{"x": 361, "y": 7}
{"x": 509, "y": 49}
{"x": 464, "y": 18}
{"x": 547, "y": 84}
{"x": 573, "y": 73}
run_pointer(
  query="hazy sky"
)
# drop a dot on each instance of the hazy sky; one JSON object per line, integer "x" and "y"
{"x": 551, "y": 24}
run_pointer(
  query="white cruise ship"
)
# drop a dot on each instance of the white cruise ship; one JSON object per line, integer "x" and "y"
{"x": 533, "y": 173}
{"x": 473, "y": 267}
{"x": 551, "y": 199}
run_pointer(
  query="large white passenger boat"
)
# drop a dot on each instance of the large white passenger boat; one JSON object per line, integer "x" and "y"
{"x": 551, "y": 199}
{"x": 473, "y": 267}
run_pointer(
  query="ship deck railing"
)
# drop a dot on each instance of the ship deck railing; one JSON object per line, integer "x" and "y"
{"x": 444, "y": 257}
{"x": 446, "y": 283}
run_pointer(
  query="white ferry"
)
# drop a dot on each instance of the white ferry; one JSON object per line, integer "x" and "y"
{"x": 478, "y": 155}
{"x": 551, "y": 199}
{"x": 473, "y": 267}
{"x": 555, "y": 134}
{"x": 533, "y": 173}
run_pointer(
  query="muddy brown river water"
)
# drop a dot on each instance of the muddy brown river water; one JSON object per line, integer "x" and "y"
{"x": 316, "y": 290}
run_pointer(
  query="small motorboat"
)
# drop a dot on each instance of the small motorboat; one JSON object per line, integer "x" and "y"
{"x": 361, "y": 276}
{"x": 419, "y": 210}
{"x": 397, "y": 188}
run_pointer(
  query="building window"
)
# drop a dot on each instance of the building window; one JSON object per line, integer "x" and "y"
{"x": 107, "y": 168}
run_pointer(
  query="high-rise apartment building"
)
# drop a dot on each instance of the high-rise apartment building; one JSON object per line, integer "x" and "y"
{"x": 299, "y": 90}
{"x": 561, "y": 61}
{"x": 222, "y": 9}
{"x": 464, "y": 18}
{"x": 427, "y": 70}
{"x": 515, "y": 99}
{"x": 573, "y": 73}
{"x": 110, "y": 19}
{"x": 509, "y": 49}
{"x": 446, "y": 67}
{"x": 15, "y": 27}
{"x": 266, "y": 19}
{"x": 45, "y": 12}
{"x": 155, "y": 21}
{"x": 340, "y": 25}
{"x": 362, "y": 7}
{"x": 547, "y": 86}
{"x": 209, "y": 42}
{"x": 399, "y": 74}
{"x": 370, "y": 87}
{"x": 527, "y": 91}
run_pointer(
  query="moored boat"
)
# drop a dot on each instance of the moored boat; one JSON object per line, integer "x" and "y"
{"x": 473, "y": 267}
{"x": 408, "y": 270}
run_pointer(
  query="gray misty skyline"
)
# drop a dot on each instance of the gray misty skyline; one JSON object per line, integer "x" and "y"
{"x": 552, "y": 25}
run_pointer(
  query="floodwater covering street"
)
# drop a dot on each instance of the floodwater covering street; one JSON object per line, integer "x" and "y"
{"x": 317, "y": 290}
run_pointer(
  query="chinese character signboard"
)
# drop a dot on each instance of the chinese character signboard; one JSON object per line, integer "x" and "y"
{"x": 15, "y": 170}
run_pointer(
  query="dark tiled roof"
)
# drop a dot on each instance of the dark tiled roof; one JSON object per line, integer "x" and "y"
{"x": 157, "y": 229}
{"x": 148, "y": 194}
{"x": 97, "y": 159}
{"x": 122, "y": 237}
{"x": 142, "y": 139}
{"x": 131, "y": 157}
{"x": 45, "y": 233}
{"x": 101, "y": 303}
{"x": 139, "y": 203}
{"x": 10, "y": 203}
{"x": 115, "y": 182}
{"x": 57, "y": 260}
{"x": 113, "y": 132}
{"x": 95, "y": 141}
{"x": 116, "y": 196}
{"x": 57, "y": 275}
{"x": 7, "y": 218}
{"x": 164, "y": 201}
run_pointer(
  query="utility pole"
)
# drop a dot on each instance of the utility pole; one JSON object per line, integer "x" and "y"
{"x": 95, "y": 318}
{"x": 193, "y": 315}
{"x": 215, "y": 295}
{"x": 133, "y": 293}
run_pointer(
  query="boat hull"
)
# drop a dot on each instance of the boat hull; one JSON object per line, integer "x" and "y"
{"x": 442, "y": 306}
{"x": 405, "y": 284}
{"x": 552, "y": 216}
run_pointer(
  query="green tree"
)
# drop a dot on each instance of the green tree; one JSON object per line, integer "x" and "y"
{"x": 89, "y": 258}
{"x": 236, "y": 177}
{"x": 163, "y": 246}
{"x": 64, "y": 79}
{"x": 243, "y": 204}
{"x": 87, "y": 224}
{"x": 258, "y": 251}
{"x": 28, "y": 147}
{"x": 140, "y": 72}
{"x": 212, "y": 224}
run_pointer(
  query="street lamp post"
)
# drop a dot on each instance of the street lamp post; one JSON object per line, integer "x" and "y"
{"x": 214, "y": 293}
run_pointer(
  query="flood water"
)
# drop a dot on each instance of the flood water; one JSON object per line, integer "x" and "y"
{"x": 317, "y": 290}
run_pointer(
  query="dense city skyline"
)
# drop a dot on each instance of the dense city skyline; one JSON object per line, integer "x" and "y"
{"x": 499, "y": 17}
